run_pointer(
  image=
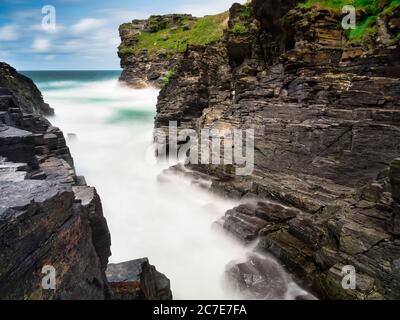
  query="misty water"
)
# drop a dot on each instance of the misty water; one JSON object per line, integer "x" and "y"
{"x": 109, "y": 131}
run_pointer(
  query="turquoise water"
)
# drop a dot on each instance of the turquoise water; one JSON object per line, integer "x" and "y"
{"x": 111, "y": 131}
{"x": 58, "y": 80}
{"x": 85, "y": 88}
{"x": 162, "y": 217}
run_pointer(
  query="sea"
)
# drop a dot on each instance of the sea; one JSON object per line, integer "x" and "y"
{"x": 166, "y": 218}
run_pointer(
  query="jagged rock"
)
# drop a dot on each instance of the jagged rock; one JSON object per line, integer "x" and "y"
{"x": 326, "y": 117}
{"x": 41, "y": 225}
{"x": 365, "y": 285}
{"x": 262, "y": 278}
{"x": 137, "y": 280}
{"x": 100, "y": 233}
{"x": 27, "y": 94}
{"x": 141, "y": 69}
{"x": 249, "y": 221}
{"x": 45, "y": 218}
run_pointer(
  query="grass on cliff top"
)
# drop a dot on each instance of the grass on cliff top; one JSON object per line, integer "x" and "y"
{"x": 171, "y": 40}
{"x": 371, "y": 8}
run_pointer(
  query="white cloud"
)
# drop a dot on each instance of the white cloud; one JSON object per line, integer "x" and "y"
{"x": 41, "y": 45}
{"x": 9, "y": 33}
{"x": 87, "y": 24}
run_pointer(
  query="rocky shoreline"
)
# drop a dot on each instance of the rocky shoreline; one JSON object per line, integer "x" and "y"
{"x": 326, "y": 115}
{"x": 49, "y": 217}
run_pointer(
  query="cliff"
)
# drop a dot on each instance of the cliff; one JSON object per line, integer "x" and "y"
{"x": 27, "y": 94}
{"x": 51, "y": 223}
{"x": 48, "y": 215}
{"x": 324, "y": 104}
{"x": 150, "y": 48}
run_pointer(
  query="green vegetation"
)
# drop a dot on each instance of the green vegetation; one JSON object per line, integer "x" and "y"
{"x": 363, "y": 29}
{"x": 167, "y": 78}
{"x": 175, "y": 39}
{"x": 246, "y": 11}
{"x": 239, "y": 28}
{"x": 369, "y": 6}
{"x": 369, "y": 9}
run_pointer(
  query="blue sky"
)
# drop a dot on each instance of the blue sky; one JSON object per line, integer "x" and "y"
{"x": 86, "y": 34}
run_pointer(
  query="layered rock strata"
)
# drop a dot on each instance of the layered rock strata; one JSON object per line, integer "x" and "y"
{"x": 326, "y": 116}
{"x": 54, "y": 239}
{"x": 49, "y": 217}
{"x": 140, "y": 67}
{"x": 138, "y": 280}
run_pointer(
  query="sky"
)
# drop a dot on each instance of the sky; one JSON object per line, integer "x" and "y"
{"x": 84, "y": 33}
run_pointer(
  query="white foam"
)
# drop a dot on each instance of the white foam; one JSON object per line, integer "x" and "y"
{"x": 170, "y": 223}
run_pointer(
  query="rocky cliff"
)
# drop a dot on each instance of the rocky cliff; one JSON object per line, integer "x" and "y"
{"x": 151, "y": 48}
{"x": 27, "y": 94}
{"x": 54, "y": 239}
{"x": 324, "y": 104}
{"x": 49, "y": 217}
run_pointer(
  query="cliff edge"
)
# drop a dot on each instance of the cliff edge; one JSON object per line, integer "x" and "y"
{"x": 54, "y": 239}
{"x": 324, "y": 104}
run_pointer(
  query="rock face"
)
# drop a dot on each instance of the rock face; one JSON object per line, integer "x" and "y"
{"x": 48, "y": 216}
{"x": 142, "y": 68}
{"x": 50, "y": 220}
{"x": 27, "y": 94}
{"x": 138, "y": 280}
{"x": 326, "y": 116}
{"x": 263, "y": 278}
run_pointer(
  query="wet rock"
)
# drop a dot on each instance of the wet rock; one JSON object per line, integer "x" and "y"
{"x": 326, "y": 117}
{"x": 248, "y": 221}
{"x": 263, "y": 278}
{"x": 137, "y": 280}
{"x": 45, "y": 219}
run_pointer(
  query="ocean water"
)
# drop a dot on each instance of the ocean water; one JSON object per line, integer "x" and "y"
{"x": 109, "y": 131}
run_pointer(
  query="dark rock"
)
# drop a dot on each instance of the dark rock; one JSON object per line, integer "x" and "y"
{"x": 138, "y": 280}
{"x": 326, "y": 117}
{"x": 27, "y": 94}
{"x": 395, "y": 179}
{"x": 45, "y": 218}
{"x": 142, "y": 69}
{"x": 262, "y": 278}
{"x": 249, "y": 221}
{"x": 100, "y": 234}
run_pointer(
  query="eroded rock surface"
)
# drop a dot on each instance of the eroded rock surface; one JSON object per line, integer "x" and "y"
{"x": 140, "y": 67}
{"x": 138, "y": 280}
{"x": 326, "y": 118}
{"x": 27, "y": 94}
{"x": 47, "y": 217}
{"x": 261, "y": 277}
{"x": 50, "y": 220}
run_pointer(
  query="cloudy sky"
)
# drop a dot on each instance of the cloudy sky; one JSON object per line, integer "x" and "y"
{"x": 86, "y": 32}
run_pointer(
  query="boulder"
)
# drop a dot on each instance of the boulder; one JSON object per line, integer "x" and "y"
{"x": 137, "y": 280}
